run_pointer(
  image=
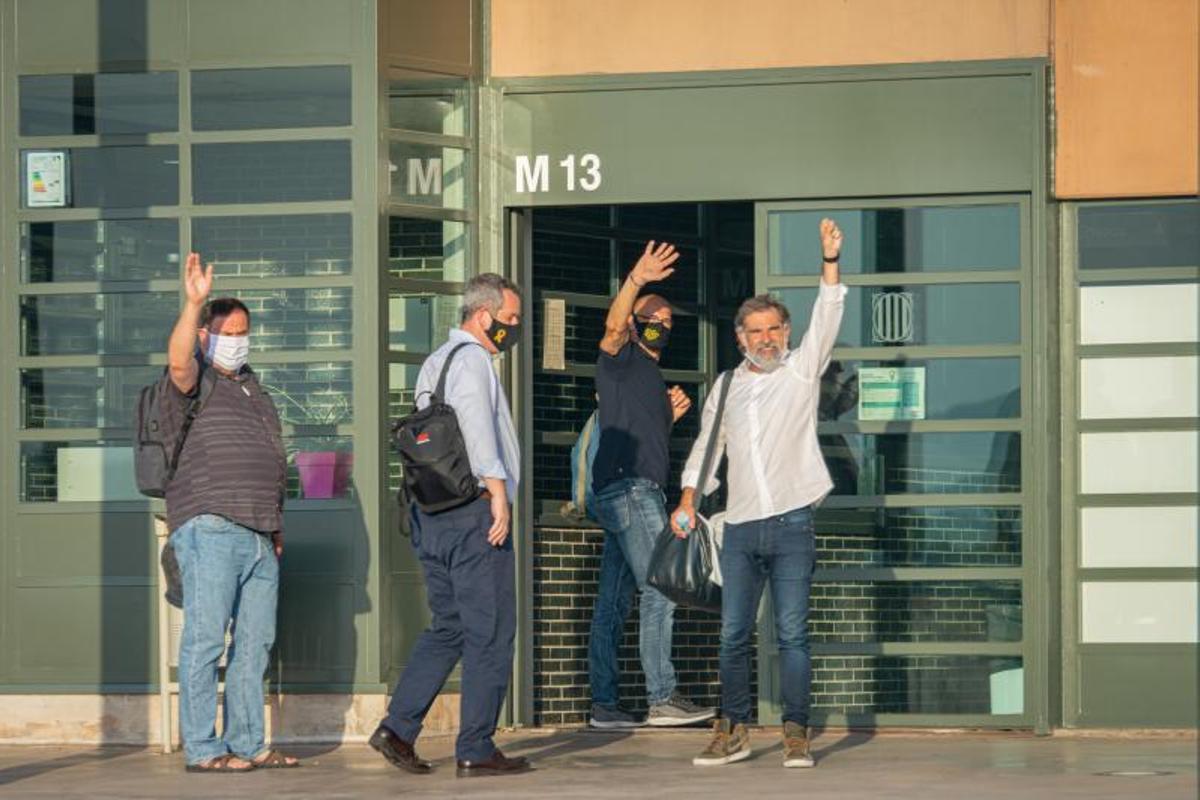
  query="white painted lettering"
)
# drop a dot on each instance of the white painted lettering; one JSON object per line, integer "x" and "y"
{"x": 536, "y": 179}
{"x": 425, "y": 176}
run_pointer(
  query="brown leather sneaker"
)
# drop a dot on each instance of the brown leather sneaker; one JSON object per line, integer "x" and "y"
{"x": 399, "y": 752}
{"x": 498, "y": 764}
{"x": 796, "y": 750}
{"x": 729, "y": 743}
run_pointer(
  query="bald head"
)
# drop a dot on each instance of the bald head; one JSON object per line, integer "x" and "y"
{"x": 652, "y": 307}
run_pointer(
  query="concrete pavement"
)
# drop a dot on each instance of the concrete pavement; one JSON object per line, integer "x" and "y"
{"x": 654, "y": 764}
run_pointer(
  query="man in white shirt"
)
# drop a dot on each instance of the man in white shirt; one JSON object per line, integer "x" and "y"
{"x": 776, "y": 475}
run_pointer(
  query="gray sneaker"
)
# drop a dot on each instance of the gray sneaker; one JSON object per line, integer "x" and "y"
{"x": 730, "y": 743}
{"x": 614, "y": 717}
{"x": 677, "y": 710}
{"x": 796, "y": 750}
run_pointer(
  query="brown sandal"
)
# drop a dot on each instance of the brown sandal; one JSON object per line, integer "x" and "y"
{"x": 273, "y": 759}
{"x": 220, "y": 764}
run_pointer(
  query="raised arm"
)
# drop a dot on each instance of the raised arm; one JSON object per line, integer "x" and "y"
{"x": 817, "y": 344}
{"x": 654, "y": 265}
{"x": 181, "y": 349}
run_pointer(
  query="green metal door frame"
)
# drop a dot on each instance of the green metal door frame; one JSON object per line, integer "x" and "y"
{"x": 1037, "y": 538}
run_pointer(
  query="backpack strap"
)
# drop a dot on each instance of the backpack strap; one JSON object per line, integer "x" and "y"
{"x": 440, "y": 391}
{"x": 204, "y": 388}
{"x": 711, "y": 446}
{"x": 585, "y": 441}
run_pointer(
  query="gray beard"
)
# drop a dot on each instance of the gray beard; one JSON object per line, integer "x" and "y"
{"x": 766, "y": 364}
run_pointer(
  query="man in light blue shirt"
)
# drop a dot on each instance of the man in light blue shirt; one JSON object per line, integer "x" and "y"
{"x": 465, "y": 552}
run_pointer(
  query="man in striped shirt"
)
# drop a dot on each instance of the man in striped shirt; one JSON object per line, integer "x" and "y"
{"x": 225, "y": 512}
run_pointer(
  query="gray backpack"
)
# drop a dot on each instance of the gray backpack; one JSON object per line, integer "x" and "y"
{"x": 159, "y": 439}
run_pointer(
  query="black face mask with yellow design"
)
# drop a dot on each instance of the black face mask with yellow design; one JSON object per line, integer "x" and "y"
{"x": 653, "y": 334}
{"x": 503, "y": 334}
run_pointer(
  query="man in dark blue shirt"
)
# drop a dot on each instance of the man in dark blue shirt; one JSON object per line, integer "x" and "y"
{"x": 631, "y": 467}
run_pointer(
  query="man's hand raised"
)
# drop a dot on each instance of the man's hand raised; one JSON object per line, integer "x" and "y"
{"x": 831, "y": 240}
{"x": 655, "y": 264}
{"x": 197, "y": 281}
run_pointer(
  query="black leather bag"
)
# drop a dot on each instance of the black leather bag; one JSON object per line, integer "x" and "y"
{"x": 683, "y": 569}
{"x": 433, "y": 455}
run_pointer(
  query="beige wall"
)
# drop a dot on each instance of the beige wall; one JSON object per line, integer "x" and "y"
{"x": 574, "y": 37}
{"x": 1126, "y": 89}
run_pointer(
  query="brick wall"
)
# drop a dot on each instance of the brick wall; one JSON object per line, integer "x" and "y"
{"x": 566, "y": 564}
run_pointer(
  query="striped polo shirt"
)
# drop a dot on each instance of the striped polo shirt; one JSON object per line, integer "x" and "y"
{"x": 233, "y": 462}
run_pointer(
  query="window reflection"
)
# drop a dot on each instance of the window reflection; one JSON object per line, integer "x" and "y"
{"x": 421, "y": 322}
{"x": 427, "y": 103}
{"x": 1139, "y": 235}
{"x": 915, "y": 611}
{"x": 923, "y": 463}
{"x": 274, "y": 97}
{"x": 917, "y": 685}
{"x": 921, "y": 239}
{"x": 274, "y": 245}
{"x": 954, "y": 388}
{"x": 938, "y": 314}
{"x": 77, "y": 472}
{"x": 924, "y": 536}
{"x": 429, "y": 175}
{"x": 271, "y": 172}
{"x": 104, "y": 103}
{"x": 124, "y": 177}
{"x": 427, "y": 249}
{"x": 82, "y": 397}
{"x": 311, "y": 395}
{"x": 299, "y": 319}
{"x": 101, "y": 250}
{"x": 91, "y": 324}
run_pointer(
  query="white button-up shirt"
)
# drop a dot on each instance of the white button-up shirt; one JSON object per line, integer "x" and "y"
{"x": 769, "y": 429}
{"x": 473, "y": 390}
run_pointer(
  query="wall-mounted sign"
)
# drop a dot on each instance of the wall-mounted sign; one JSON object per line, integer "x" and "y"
{"x": 892, "y": 317}
{"x": 45, "y": 179}
{"x": 891, "y": 393}
{"x": 554, "y": 338}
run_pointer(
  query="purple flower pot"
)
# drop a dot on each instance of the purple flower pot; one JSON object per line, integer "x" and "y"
{"x": 324, "y": 474}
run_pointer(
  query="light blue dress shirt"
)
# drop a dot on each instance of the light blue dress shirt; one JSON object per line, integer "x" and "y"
{"x": 473, "y": 390}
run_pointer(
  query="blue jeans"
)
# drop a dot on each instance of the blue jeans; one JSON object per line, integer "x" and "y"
{"x": 633, "y": 513}
{"x": 470, "y": 586}
{"x": 230, "y": 575}
{"x": 780, "y": 550}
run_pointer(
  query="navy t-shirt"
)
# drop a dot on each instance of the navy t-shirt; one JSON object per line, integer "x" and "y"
{"x": 635, "y": 419}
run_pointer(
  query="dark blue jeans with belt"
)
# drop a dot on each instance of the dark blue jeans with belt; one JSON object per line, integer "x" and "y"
{"x": 470, "y": 589}
{"x": 778, "y": 550}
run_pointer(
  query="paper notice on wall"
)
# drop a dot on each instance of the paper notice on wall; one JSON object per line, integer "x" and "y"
{"x": 554, "y": 335}
{"x": 46, "y": 179}
{"x": 891, "y": 393}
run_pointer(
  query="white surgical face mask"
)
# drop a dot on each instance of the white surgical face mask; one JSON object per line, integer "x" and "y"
{"x": 766, "y": 364}
{"x": 228, "y": 352}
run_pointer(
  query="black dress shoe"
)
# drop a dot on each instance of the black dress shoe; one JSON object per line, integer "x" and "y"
{"x": 399, "y": 752}
{"x": 498, "y": 764}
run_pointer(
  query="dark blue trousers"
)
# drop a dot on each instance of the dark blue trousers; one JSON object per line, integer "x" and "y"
{"x": 472, "y": 600}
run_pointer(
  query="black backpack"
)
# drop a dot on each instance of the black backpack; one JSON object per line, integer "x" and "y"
{"x": 437, "y": 470}
{"x": 159, "y": 441}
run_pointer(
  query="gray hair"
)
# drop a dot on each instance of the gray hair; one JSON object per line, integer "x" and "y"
{"x": 486, "y": 291}
{"x": 760, "y": 302}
